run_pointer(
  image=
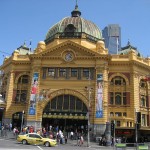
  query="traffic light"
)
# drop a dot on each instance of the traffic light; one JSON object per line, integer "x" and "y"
{"x": 138, "y": 117}
{"x": 112, "y": 128}
{"x": 138, "y": 120}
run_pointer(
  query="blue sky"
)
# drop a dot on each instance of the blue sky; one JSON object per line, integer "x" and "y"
{"x": 25, "y": 20}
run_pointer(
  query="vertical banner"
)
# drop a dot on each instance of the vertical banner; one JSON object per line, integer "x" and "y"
{"x": 34, "y": 94}
{"x": 99, "y": 97}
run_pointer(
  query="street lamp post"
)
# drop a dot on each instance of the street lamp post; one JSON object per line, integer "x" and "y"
{"x": 136, "y": 128}
{"x": 88, "y": 115}
{"x": 22, "y": 116}
{"x": 88, "y": 89}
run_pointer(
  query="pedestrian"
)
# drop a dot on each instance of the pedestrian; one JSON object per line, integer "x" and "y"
{"x": 71, "y": 135}
{"x": 2, "y": 132}
{"x": 44, "y": 133}
{"x": 78, "y": 139}
{"x": 66, "y": 139}
{"x": 16, "y": 132}
{"x": 81, "y": 140}
{"x": 10, "y": 126}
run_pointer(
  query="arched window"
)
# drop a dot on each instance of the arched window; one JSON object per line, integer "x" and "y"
{"x": 22, "y": 89}
{"x": 118, "y": 99}
{"x": 143, "y": 84}
{"x": 117, "y": 80}
{"x": 66, "y": 103}
{"x": 70, "y": 30}
{"x": 4, "y": 87}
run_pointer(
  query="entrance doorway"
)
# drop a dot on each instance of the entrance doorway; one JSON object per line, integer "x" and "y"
{"x": 17, "y": 120}
{"x": 65, "y": 112}
{"x": 67, "y": 125}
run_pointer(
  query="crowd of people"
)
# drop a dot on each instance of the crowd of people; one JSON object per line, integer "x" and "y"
{"x": 5, "y": 128}
{"x": 60, "y": 135}
{"x": 53, "y": 133}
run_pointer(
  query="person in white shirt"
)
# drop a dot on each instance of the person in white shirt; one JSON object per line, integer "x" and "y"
{"x": 71, "y": 135}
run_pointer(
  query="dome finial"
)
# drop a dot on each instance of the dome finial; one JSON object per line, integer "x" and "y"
{"x": 76, "y": 12}
{"x": 76, "y": 4}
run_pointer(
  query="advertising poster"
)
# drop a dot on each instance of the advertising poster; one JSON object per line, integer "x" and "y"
{"x": 99, "y": 98}
{"x": 34, "y": 94}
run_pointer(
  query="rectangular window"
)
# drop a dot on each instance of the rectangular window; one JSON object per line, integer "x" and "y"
{"x": 72, "y": 103}
{"x": 51, "y": 72}
{"x": 111, "y": 98}
{"x": 124, "y": 99}
{"x": 62, "y": 72}
{"x": 59, "y": 102}
{"x": 25, "y": 79}
{"x": 118, "y": 98}
{"x": 53, "y": 104}
{"x": 124, "y": 114}
{"x": 111, "y": 114}
{"x": 143, "y": 120}
{"x": 118, "y": 123}
{"x": 74, "y": 72}
{"x": 78, "y": 105}
{"x": 44, "y": 73}
{"x": 66, "y": 102}
{"x": 86, "y": 72}
{"x": 21, "y": 96}
{"x": 143, "y": 100}
{"x": 118, "y": 114}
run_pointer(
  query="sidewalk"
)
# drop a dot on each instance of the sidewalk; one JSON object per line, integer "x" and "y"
{"x": 91, "y": 144}
{"x": 7, "y": 135}
{"x": 10, "y": 136}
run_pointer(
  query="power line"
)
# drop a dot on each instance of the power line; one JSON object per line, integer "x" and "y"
{"x": 4, "y": 52}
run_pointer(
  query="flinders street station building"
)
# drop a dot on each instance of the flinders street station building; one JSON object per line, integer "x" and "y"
{"x": 71, "y": 81}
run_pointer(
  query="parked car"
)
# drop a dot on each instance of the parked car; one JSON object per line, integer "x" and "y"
{"x": 35, "y": 139}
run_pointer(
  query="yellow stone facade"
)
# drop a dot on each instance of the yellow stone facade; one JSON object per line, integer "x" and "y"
{"x": 129, "y": 68}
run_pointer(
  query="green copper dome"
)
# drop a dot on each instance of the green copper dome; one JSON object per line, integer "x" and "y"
{"x": 74, "y": 27}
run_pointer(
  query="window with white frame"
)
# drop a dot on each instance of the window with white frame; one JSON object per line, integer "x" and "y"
{"x": 143, "y": 121}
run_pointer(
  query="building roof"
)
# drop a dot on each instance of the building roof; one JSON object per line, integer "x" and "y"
{"x": 128, "y": 48}
{"x": 74, "y": 26}
{"x": 23, "y": 49}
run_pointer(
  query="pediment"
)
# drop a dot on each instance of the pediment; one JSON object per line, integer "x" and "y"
{"x": 68, "y": 46}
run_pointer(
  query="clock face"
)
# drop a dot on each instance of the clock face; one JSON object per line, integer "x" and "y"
{"x": 68, "y": 57}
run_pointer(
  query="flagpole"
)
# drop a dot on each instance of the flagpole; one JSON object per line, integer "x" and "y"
{"x": 30, "y": 46}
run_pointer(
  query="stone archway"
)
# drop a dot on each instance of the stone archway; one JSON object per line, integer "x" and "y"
{"x": 50, "y": 95}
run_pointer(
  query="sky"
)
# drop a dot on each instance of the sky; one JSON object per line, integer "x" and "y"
{"x": 29, "y": 20}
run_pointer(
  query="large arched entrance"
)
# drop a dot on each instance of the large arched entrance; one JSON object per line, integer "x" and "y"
{"x": 65, "y": 112}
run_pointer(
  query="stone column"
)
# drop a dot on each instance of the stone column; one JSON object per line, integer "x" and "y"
{"x": 8, "y": 99}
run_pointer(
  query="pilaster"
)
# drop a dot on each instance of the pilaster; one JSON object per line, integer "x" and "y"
{"x": 9, "y": 94}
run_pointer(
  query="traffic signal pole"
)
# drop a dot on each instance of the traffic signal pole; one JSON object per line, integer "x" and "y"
{"x": 113, "y": 131}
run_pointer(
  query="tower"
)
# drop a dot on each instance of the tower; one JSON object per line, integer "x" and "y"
{"x": 112, "y": 37}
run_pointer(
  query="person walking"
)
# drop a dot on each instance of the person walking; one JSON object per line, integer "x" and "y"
{"x": 81, "y": 140}
{"x": 71, "y": 135}
{"x": 10, "y": 126}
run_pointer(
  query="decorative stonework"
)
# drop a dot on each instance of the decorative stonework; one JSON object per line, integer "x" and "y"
{"x": 121, "y": 75}
{"x": 51, "y": 95}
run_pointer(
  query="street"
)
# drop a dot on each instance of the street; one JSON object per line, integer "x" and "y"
{"x": 9, "y": 144}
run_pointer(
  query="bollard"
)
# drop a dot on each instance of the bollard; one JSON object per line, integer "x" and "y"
{"x": 120, "y": 146}
{"x": 143, "y": 147}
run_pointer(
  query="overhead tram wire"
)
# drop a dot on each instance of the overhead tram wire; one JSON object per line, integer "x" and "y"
{"x": 4, "y": 52}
